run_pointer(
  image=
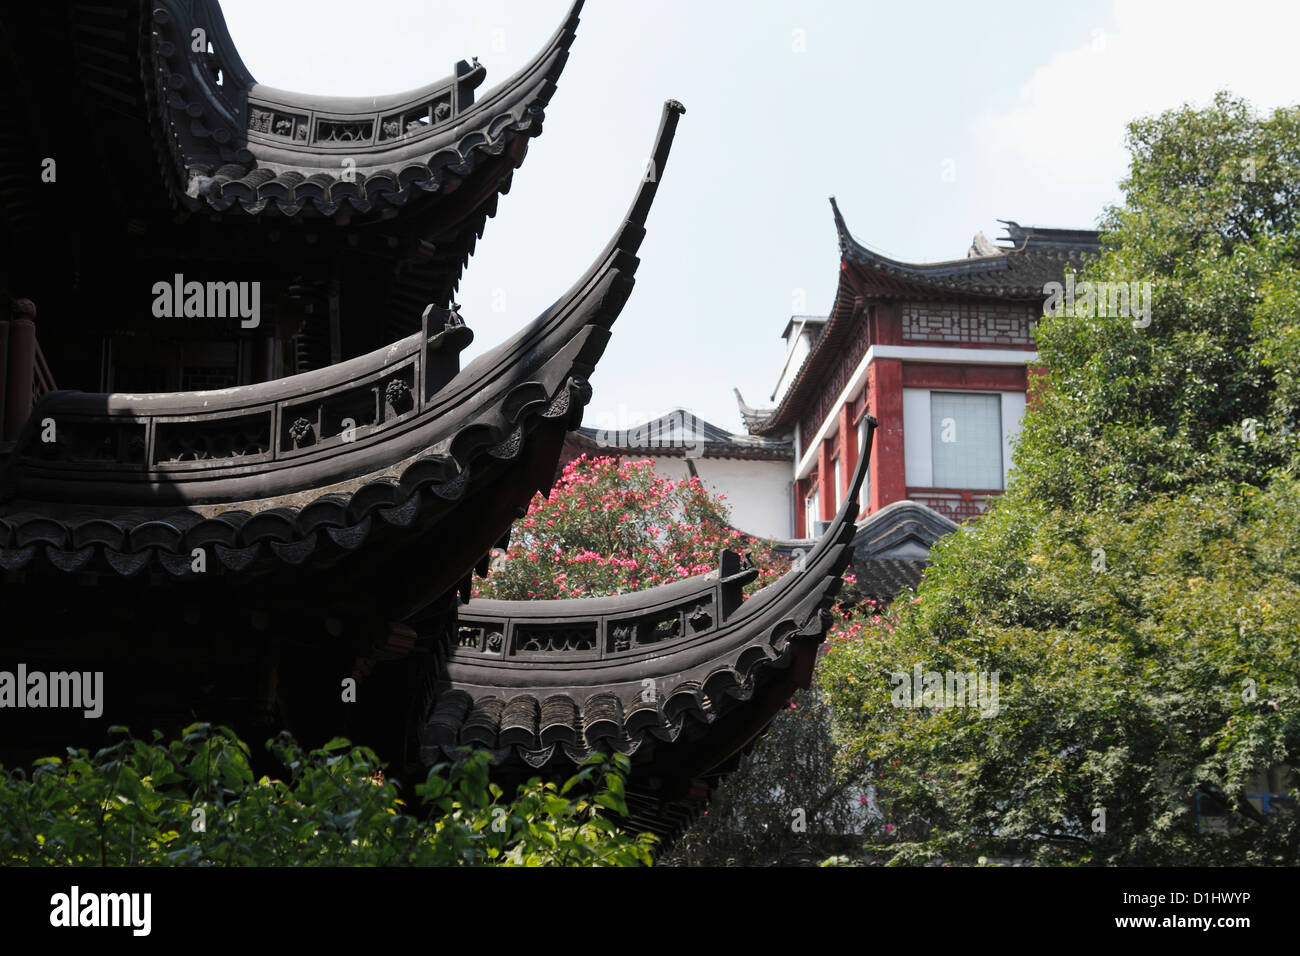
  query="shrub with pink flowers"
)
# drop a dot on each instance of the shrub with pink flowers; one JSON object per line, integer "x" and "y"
{"x": 612, "y": 525}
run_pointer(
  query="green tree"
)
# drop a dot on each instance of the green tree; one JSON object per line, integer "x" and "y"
{"x": 786, "y": 802}
{"x": 1137, "y": 590}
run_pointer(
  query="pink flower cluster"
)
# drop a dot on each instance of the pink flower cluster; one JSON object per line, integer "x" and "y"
{"x": 611, "y": 526}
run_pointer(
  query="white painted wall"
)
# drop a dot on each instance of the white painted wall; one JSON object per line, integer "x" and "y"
{"x": 758, "y": 492}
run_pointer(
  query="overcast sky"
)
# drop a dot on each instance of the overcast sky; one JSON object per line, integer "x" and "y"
{"x": 929, "y": 122}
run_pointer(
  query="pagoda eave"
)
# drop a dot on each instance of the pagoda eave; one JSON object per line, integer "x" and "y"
{"x": 266, "y": 473}
{"x": 239, "y": 146}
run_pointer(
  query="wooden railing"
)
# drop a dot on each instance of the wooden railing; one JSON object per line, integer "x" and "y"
{"x": 42, "y": 377}
{"x": 24, "y": 374}
{"x": 305, "y": 416}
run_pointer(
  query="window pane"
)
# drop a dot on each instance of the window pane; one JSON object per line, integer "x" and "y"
{"x": 966, "y": 440}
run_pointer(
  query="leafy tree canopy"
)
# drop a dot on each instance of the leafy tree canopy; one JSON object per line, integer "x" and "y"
{"x": 1137, "y": 589}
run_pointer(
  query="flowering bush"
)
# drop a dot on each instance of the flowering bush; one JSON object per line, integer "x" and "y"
{"x": 610, "y": 526}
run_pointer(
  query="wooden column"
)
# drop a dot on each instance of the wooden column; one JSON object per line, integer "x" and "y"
{"x": 848, "y": 448}
{"x": 4, "y": 366}
{"x": 20, "y": 367}
{"x": 796, "y": 509}
{"x": 885, "y": 399}
{"x": 825, "y": 481}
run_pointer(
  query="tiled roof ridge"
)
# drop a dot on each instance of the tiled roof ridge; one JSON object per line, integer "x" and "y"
{"x": 1028, "y": 243}
{"x": 1023, "y": 267}
{"x": 661, "y": 435}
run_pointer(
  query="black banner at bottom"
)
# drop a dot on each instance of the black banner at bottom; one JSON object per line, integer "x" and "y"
{"x": 342, "y": 905}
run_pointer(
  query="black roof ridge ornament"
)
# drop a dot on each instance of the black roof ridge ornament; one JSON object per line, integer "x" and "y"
{"x": 1049, "y": 238}
{"x": 673, "y": 110}
{"x": 851, "y": 248}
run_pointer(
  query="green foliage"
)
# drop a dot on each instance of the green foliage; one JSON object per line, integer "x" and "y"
{"x": 1129, "y": 689}
{"x": 195, "y": 802}
{"x": 1210, "y": 221}
{"x": 1138, "y": 587}
{"x": 787, "y": 801}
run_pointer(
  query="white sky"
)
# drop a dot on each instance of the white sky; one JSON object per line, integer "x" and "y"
{"x": 1023, "y": 104}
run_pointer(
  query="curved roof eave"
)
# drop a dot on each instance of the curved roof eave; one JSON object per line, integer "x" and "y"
{"x": 852, "y": 249}
{"x": 549, "y": 682}
{"x": 1015, "y": 274}
{"x": 237, "y": 145}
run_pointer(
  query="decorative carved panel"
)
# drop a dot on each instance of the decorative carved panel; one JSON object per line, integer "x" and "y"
{"x": 692, "y": 618}
{"x": 94, "y": 441}
{"x": 560, "y": 639}
{"x": 487, "y": 640}
{"x": 236, "y": 437}
{"x": 964, "y": 323}
{"x": 272, "y": 122}
{"x": 339, "y": 131}
{"x": 412, "y": 122}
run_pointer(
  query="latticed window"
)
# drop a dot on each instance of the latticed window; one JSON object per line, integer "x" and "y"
{"x": 966, "y": 440}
